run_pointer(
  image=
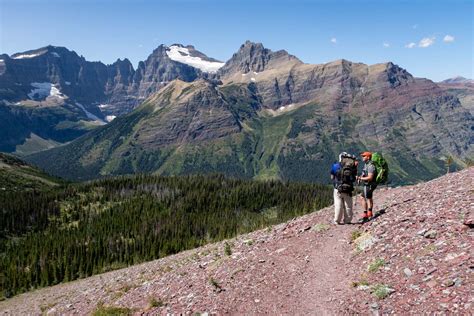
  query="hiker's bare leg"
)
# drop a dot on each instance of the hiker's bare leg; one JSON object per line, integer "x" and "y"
{"x": 364, "y": 203}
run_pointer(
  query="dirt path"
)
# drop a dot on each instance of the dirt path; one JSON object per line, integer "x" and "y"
{"x": 327, "y": 273}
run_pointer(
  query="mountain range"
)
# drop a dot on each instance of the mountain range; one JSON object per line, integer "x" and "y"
{"x": 261, "y": 114}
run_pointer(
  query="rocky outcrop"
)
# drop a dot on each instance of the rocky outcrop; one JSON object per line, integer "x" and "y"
{"x": 253, "y": 57}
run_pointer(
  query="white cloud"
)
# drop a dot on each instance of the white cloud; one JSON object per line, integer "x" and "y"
{"x": 448, "y": 39}
{"x": 386, "y": 45}
{"x": 426, "y": 42}
{"x": 410, "y": 45}
{"x": 334, "y": 40}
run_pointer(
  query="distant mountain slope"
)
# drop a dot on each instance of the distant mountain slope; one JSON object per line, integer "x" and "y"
{"x": 414, "y": 258}
{"x": 462, "y": 88}
{"x": 18, "y": 176}
{"x": 458, "y": 79}
{"x": 287, "y": 120}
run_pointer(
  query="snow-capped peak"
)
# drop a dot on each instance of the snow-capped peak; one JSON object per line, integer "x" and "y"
{"x": 182, "y": 55}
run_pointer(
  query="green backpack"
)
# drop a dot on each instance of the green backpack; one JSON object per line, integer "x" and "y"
{"x": 381, "y": 168}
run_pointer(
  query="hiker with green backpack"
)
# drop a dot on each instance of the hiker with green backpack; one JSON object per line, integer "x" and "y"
{"x": 375, "y": 172}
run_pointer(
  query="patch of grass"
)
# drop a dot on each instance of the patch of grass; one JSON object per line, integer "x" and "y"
{"x": 355, "y": 234}
{"x": 320, "y": 227}
{"x": 362, "y": 282}
{"x": 153, "y": 302}
{"x": 375, "y": 265}
{"x": 381, "y": 291}
{"x": 235, "y": 272}
{"x": 249, "y": 242}
{"x": 215, "y": 284}
{"x": 45, "y": 308}
{"x": 227, "y": 249}
{"x": 103, "y": 310}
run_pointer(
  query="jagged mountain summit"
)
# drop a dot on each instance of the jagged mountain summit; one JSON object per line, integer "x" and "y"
{"x": 288, "y": 120}
{"x": 253, "y": 58}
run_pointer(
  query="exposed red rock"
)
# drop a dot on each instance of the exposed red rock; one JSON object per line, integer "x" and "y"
{"x": 417, "y": 252}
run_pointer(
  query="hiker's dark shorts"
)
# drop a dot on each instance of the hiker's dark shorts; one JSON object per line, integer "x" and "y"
{"x": 368, "y": 190}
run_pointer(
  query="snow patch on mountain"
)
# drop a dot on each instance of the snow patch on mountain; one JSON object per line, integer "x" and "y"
{"x": 110, "y": 118}
{"x": 23, "y": 56}
{"x": 182, "y": 55}
{"x": 55, "y": 54}
{"x": 89, "y": 114}
{"x": 43, "y": 90}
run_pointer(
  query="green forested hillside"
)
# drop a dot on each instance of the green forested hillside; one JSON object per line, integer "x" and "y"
{"x": 16, "y": 175}
{"x": 78, "y": 230}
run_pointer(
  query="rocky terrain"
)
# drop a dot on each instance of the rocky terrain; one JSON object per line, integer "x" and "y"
{"x": 414, "y": 257}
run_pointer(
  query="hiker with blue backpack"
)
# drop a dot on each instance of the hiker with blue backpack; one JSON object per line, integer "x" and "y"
{"x": 375, "y": 172}
{"x": 343, "y": 174}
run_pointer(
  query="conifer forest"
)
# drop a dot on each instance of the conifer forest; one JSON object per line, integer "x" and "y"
{"x": 74, "y": 230}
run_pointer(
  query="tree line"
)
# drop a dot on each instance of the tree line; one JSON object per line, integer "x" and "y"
{"x": 78, "y": 230}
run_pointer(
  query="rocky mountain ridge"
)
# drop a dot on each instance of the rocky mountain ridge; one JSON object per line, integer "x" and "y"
{"x": 260, "y": 114}
{"x": 53, "y": 95}
{"x": 285, "y": 122}
{"x": 414, "y": 257}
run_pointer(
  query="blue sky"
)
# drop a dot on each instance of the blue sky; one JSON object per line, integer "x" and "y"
{"x": 440, "y": 33}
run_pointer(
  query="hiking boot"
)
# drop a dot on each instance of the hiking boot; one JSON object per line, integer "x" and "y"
{"x": 369, "y": 214}
{"x": 363, "y": 220}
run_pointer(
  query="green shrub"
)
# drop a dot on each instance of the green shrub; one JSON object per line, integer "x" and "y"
{"x": 155, "y": 303}
{"x": 381, "y": 291}
{"x": 103, "y": 310}
{"x": 375, "y": 265}
{"x": 227, "y": 249}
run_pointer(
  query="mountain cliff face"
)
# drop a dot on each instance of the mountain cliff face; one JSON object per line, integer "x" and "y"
{"x": 461, "y": 88}
{"x": 53, "y": 96}
{"x": 285, "y": 119}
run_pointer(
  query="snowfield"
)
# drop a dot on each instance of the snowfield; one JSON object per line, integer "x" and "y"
{"x": 89, "y": 114}
{"x": 182, "y": 55}
{"x": 23, "y": 56}
{"x": 43, "y": 90}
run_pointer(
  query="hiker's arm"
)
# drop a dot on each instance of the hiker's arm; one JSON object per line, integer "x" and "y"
{"x": 369, "y": 177}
